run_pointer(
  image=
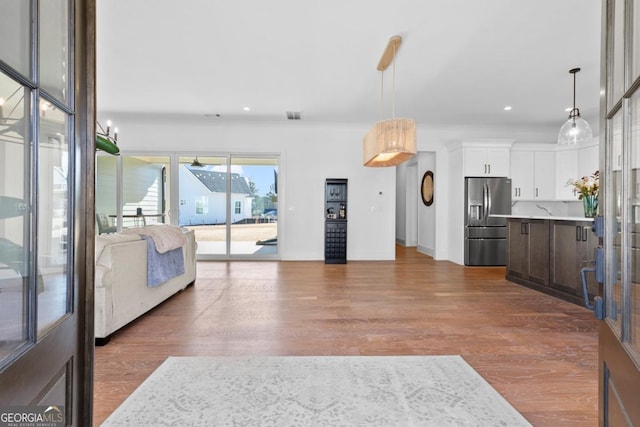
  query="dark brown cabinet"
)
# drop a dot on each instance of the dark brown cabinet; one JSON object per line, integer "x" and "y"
{"x": 547, "y": 255}
{"x": 528, "y": 250}
{"x": 335, "y": 227}
{"x": 517, "y": 249}
{"x": 572, "y": 248}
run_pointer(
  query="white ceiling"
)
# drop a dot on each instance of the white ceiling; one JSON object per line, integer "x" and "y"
{"x": 461, "y": 61}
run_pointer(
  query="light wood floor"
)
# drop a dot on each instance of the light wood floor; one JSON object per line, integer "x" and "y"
{"x": 539, "y": 352}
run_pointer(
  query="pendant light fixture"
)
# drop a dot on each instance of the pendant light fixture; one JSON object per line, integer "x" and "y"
{"x": 196, "y": 163}
{"x": 575, "y": 130}
{"x": 106, "y": 141}
{"x": 393, "y": 141}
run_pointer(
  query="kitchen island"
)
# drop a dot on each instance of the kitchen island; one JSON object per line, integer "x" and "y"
{"x": 546, "y": 253}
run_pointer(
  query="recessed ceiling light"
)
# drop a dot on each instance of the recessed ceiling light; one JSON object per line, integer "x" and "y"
{"x": 246, "y": 109}
{"x": 507, "y": 108}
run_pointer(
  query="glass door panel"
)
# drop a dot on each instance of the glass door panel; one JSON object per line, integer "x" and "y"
{"x": 619, "y": 376}
{"x": 636, "y": 42}
{"x": 15, "y": 34}
{"x": 202, "y": 183}
{"x": 54, "y": 52}
{"x": 615, "y": 300}
{"x": 53, "y": 216}
{"x": 254, "y": 206}
{"x": 634, "y": 198}
{"x": 617, "y": 73}
{"x": 14, "y": 216}
{"x": 144, "y": 190}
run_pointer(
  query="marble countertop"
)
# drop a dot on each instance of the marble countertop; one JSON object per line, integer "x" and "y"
{"x": 549, "y": 217}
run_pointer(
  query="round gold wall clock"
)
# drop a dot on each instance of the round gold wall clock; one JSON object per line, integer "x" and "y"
{"x": 426, "y": 189}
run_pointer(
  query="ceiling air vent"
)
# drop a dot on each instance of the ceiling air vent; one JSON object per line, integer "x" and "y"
{"x": 294, "y": 115}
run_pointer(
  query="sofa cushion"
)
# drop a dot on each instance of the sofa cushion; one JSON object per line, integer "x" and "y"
{"x": 165, "y": 236}
{"x": 103, "y": 240}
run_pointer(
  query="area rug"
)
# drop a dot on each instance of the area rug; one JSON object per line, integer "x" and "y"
{"x": 316, "y": 391}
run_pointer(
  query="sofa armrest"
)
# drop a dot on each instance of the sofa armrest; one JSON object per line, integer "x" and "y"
{"x": 121, "y": 291}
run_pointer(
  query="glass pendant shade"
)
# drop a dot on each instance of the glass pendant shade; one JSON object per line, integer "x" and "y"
{"x": 576, "y": 130}
{"x": 389, "y": 143}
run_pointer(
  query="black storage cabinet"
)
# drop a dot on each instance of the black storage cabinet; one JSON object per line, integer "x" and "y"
{"x": 335, "y": 226}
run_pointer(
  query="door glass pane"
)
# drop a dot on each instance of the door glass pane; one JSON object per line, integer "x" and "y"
{"x": 614, "y": 308}
{"x": 54, "y": 48}
{"x": 617, "y": 78}
{"x": 144, "y": 190}
{"x": 203, "y": 201}
{"x": 14, "y": 216}
{"x": 636, "y": 41}
{"x": 53, "y": 215}
{"x": 634, "y": 198}
{"x": 254, "y": 201}
{"x": 15, "y": 35}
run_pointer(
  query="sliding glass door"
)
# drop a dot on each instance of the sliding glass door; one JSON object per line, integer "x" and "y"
{"x": 231, "y": 202}
{"x": 203, "y": 202}
{"x": 254, "y": 208}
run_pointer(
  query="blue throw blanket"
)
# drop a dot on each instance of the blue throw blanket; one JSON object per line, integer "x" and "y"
{"x": 162, "y": 266}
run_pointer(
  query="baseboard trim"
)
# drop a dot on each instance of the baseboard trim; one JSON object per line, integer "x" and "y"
{"x": 425, "y": 250}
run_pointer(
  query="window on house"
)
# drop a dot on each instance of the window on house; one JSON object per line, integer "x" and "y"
{"x": 238, "y": 207}
{"x": 199, "y": 207}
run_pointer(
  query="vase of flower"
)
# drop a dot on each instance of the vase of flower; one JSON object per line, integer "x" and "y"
{"x": 590, "y": 204}
{"x": 587, "y": 189}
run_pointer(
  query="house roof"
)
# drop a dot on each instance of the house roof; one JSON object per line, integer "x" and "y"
{"x": 216, "y": 182}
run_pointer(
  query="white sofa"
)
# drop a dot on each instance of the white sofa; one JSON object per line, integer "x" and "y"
{"x": 121, "y": 291}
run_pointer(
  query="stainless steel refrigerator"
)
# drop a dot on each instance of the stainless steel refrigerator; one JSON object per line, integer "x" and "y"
{"x": 485, "y": 238}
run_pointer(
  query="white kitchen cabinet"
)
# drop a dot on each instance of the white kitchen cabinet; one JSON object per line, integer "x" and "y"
{"x": 533, "y": 175}
{"x": 521, "y": 175}
{"x": 544, "y": 175}
{"x": 573, "y": 164}
{"x": 486, "y": 161}
{"x": 566, "y": 170}
{"x": 588, "y": 160}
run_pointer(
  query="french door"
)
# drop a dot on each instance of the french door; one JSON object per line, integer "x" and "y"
{"x": 46, "y": 149}
{"x": 619, "y": 336}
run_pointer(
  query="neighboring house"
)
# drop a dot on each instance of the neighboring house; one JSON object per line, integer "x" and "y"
{"x": 203, "y": 197}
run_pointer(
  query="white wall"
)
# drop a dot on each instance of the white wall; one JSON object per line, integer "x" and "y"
{"x": 411, "y": 188}
{"x": 309, "y": 153}
{"x": 456, "y": 207}
{"x": 427, "y": 214}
